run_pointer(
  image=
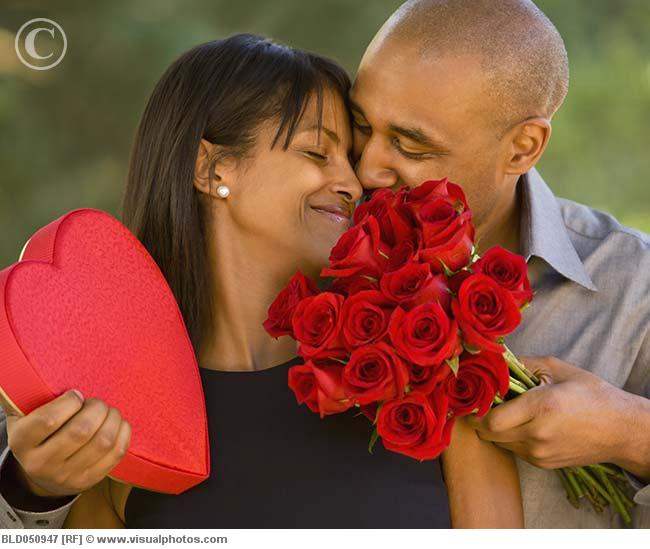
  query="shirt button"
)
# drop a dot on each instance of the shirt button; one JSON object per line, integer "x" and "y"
{"x": 42, "y": 522}
{"x": 11, "y": 516}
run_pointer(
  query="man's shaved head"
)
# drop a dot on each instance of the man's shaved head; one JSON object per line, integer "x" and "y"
{"x": 520, "y": 52}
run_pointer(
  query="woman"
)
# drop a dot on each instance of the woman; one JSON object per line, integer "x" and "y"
{"x": 240, "y": 175}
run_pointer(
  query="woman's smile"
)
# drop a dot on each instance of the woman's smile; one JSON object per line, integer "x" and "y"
{"x": 338, "y": 214}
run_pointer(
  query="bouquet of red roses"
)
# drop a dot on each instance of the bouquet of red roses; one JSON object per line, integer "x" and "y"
{"x": 411, "y": 329}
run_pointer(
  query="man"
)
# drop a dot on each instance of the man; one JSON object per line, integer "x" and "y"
{"x": 467, "y": 89}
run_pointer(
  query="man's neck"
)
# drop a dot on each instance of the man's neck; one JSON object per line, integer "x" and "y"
{"x": 503, "y": 228}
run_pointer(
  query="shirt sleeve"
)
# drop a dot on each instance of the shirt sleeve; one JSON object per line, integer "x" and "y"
{"x": 639, "y": 383}
{"x": 44, "y": 513}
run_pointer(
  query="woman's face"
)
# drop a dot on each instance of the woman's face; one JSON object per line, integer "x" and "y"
{"x": 296, "y": 203}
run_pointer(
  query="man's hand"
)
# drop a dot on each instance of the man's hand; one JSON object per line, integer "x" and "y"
{"x": 574, "y": 418}
{"x": 67, "y": 445}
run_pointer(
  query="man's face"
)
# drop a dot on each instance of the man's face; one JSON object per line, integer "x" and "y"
{"x": 415, "y": 120}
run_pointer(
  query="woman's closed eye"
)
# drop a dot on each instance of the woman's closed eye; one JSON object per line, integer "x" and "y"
{"x": 316, "y": 155}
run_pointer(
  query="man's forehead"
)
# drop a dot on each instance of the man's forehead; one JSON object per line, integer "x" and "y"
{"x": 440, "y": 94}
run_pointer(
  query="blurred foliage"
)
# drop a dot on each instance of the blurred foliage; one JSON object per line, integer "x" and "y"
{"x": 65, "y": 133}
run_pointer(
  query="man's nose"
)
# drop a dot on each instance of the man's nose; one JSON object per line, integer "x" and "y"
{"x": 373, "y": 168}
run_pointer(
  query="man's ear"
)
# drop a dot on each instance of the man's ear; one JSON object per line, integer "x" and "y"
{"x": 223, "y": 173}
{"x": 526, "y": 143}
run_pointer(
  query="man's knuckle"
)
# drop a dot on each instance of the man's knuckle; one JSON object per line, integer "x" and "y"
{"x": 45, "y": 422}
{"x": 105, "y": 441}
{"x": 81, "y": 430}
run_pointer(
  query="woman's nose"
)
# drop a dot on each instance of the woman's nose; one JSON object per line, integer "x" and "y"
{"x": 350, "y": 187}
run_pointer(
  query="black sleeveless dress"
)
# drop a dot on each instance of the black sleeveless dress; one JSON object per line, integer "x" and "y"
{"x": 276, "y": 464}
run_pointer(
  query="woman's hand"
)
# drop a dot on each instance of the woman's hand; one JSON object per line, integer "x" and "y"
{"x": 67, "y": 445}
{"x": 482, "y": 482}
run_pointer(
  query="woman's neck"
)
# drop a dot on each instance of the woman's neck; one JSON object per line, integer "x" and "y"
{"x": 246, "y": 280}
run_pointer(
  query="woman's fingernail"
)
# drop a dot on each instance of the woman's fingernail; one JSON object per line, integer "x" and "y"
{"x": 78, "y": 393}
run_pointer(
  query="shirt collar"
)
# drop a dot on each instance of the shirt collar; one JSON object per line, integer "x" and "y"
{"x": 543, "y": 232}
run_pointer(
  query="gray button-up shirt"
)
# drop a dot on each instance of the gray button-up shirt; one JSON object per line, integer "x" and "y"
{"x": 591, "y": 277}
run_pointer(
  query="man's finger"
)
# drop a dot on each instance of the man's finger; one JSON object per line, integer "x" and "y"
{"x": 520, "y": 433}
{"x": 549, "y": 368}
{"x": 509, "y": 415}
{"x": 31, "y": 430}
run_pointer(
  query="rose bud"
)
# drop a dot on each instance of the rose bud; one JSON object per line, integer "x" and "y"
{"x": 428, "y": 191}
{"x": 448, "y": 236}
{"x": 303, "y": 383}
{"x": 351, "y": 285}
{"x": 332, "y": 398}
{"x": 358, "y": 252}
{"x": 278, "y": 322}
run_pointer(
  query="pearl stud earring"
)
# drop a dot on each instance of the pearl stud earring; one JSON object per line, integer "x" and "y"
{"x": 223, "y": 191}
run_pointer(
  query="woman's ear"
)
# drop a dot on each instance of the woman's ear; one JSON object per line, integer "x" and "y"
{"x": 223, "y": 173}
{"x": 526, "y": 143}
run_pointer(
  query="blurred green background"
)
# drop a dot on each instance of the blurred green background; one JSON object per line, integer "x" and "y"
{"x": 65, "y": 133}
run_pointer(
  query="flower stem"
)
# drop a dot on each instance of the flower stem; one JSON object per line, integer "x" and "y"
{"x": 516, "y": 387}
{"x": 519, "y": 369}
{"x": 582, "y": 473}
{"x": 571, "y": 495}
{"x": 622, "y": 509}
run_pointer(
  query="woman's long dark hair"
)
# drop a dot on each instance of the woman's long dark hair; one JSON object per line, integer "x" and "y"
{"x": 221, "y": 91}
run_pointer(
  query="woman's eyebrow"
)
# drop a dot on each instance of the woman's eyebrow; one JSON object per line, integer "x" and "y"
{"x": 330, "y": 133}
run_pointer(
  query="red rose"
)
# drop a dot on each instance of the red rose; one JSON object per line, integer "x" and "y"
{"x": 423, "y": 379}
{"x": 316, "y": 324}
{"x": 405, "y": 251}
{"x": 303, "y": 383}
{"x": 456, "y": 280}
{"x": 375, "y": 206}
{"x": 319, "y": 387}
{"x": 413, "y": 285}
{"x": 395, "y": 221}
{"x": 354, "y": 284}
{"x": 415, "y": 425}
{"x": 509, "y": 270}
{"x": 480, "y": 377}
{"x": 331, "y": 395}
{"x": 358, "y": 252}
{"x": 424, "y": 335}
{"x": 278, "y": 322}
{"x": 485, "y": 312}
{"x": 374, "y": 372}
{"x": 428, "y": 191}
{"x": 448, "y": 235}
{"x": 365, "y": 318}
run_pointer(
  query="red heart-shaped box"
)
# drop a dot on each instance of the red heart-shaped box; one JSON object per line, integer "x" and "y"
{"x": 87, "y": 307}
